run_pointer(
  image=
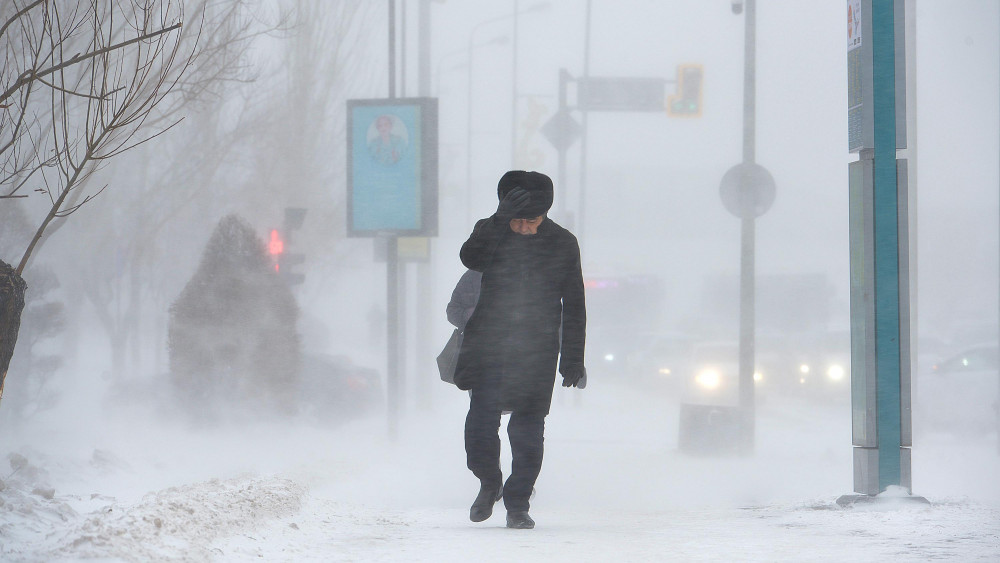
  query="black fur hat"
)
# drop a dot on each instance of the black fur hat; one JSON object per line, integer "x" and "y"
{"x": 537, "y": 184}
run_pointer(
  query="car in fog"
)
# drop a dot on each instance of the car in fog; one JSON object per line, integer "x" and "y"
{"x": 816, "y": 376}
{"x": 816, "y": 366}
{"x": 609, "y": 351}
{"x": 712, "y": 376}
{"x": 335, "y": 389}
{"x": 960, "y": 393}
{"x": 661, "y": 361}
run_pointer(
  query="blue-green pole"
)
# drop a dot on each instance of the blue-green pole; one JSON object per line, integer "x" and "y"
{"x": 887, "y": 343}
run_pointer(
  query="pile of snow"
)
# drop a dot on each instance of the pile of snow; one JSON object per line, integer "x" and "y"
{"x": 177, "y": 522}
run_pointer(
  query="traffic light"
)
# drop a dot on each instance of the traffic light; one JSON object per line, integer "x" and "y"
{"x": 275, "y": 246}
{"x": 687, "y": 101}
{"x": 285, "y": 261}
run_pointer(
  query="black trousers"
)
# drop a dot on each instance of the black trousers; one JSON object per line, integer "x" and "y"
{"x": 482, "y": 444}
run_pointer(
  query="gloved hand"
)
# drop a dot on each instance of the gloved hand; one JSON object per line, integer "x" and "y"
{"x": 511, "y": 204}
{"x": 575, "y": 378}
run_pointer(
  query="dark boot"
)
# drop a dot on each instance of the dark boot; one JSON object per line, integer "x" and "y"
{"x": 489, "y": 494}
{"x": 520, "y": 520}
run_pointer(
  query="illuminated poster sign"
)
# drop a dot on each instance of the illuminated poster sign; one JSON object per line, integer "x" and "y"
{"x": 392, "y": 167}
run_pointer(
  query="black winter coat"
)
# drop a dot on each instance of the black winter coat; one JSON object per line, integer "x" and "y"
{"x": 532, "y": 285}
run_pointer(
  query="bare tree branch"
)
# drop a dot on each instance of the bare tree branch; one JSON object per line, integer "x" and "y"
{"x": 30, "y": 74}
{"x": 18, "y": 15}
{"x": 72, "y": 93}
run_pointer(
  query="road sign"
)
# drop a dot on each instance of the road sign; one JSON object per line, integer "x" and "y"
{"x": 747, "y": 190}
{"x": 562, "y": 130}
{"x": 620, "y": 94}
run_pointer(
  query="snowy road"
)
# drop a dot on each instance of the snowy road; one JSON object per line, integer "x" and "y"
{"x": 613, "y": 488}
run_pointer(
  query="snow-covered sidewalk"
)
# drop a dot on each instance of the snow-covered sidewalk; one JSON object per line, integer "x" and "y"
{"x": 613, "y": 488}
{"x": 327, "y": 530}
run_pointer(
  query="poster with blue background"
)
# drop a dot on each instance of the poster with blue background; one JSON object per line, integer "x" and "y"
{"x": 392, "y": 174}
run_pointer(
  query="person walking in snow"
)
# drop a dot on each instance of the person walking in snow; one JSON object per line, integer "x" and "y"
{"x": 530, "y": 315}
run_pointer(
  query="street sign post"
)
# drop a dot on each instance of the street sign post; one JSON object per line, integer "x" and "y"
{"x": 620, "y": 94}
{"x": 392, "y": 192}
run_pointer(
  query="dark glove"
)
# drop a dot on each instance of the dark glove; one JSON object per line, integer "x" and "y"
{"x": 575, "y": 378}
{"x": 512, "y": 204}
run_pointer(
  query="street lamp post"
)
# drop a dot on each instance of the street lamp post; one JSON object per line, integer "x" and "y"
{"x": 747, "y": 359}
{"x": 513, "y": 92}
{"x": 468, "y": 134}
{"x": 499, "y": 40}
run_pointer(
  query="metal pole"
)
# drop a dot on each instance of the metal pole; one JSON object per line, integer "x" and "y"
{"x": 750, "y": 81}
{"x": 401, "y": 267}
{"x": 392, "y": 341}
{"x": 468, "y": 120}
{"x": 402, "y": 48}
{"x": 392, "y": 48}
{"x": 581, "y": 206}
{"x": 424, "y": 48}
{"x": 747, "y": 238}
{"x": 401, "y": 324}
{"x": 425, "y": 274}
{"x": 513, "y": 94}
{"x": 561, "y": 185}
{"x": 392, "y": 282}
{"x": 468, "y": 140}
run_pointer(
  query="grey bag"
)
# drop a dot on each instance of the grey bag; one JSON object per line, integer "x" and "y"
{"x": 448, "y": 358}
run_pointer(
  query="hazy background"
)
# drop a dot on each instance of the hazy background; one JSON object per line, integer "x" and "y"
{"x": 652, "y": 205}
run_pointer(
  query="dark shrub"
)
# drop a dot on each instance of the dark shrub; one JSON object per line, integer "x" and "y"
{"x": 232, "y": 335}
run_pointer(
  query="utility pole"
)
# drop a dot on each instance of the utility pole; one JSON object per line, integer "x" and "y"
{"x": 513, "y": 91}
{"x": 425, "y": 274}
{"x": 393, "y": 379}
{"x": 747, "y": 191}
{"x": 581, "y": 201}
{"x": 748, "y": 235}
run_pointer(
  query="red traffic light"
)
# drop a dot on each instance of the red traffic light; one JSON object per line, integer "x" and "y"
{"x": 275, "y": 246}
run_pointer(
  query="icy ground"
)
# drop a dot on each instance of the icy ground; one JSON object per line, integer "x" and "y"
{"x": 127, "y": 486}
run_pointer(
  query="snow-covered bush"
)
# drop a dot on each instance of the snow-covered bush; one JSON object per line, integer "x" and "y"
{"x": 232, "y": 336}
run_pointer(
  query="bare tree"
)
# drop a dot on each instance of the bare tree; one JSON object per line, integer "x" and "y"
{"x": 91, "y": 106}
{"x": 81, "y": 83}
{"x": 173, "y": 189}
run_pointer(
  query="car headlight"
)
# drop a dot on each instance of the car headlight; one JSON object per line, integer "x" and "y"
{"x": 758, "y": 377}
{"x": 708, "y": 379}
{"x": 836, "y": 372}
{"x": 664, "y": 371}
{"x": 804, "y": 369}
{"x": 609, "y": 357}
